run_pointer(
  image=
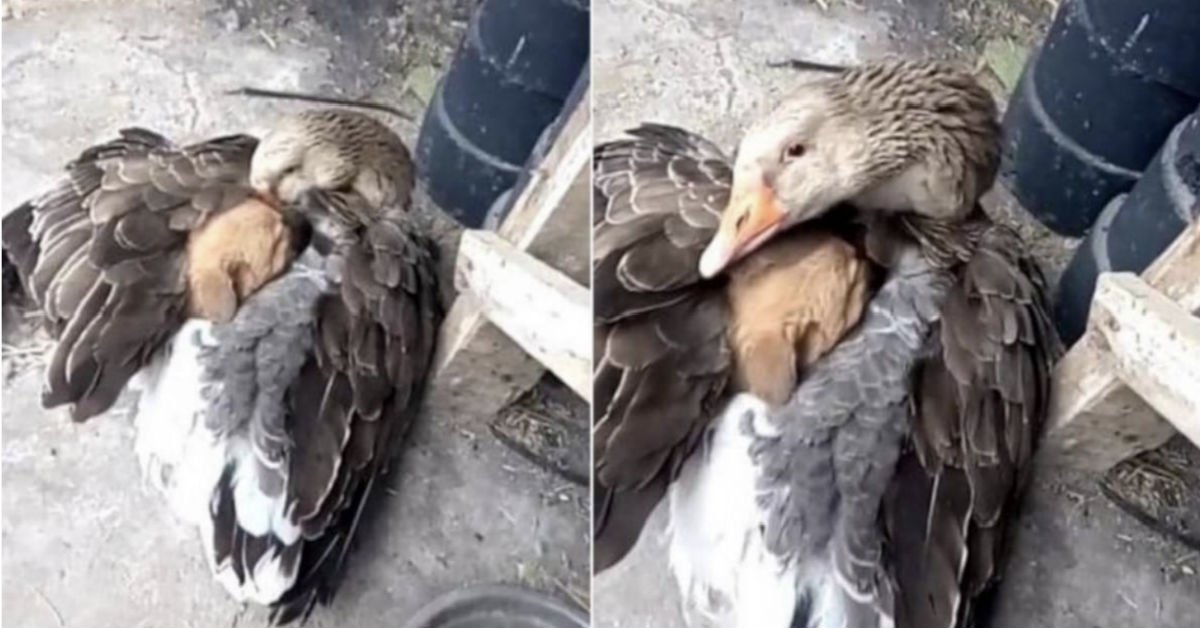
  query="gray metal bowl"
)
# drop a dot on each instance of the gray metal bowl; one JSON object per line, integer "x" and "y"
{"x": 497, "y": 606}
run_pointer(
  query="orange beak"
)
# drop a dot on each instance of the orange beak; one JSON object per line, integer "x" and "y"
{"x": 752, "y": 217}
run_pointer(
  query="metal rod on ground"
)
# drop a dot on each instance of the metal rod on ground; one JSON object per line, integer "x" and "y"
{"x": 801, "y": 64}
{"x": 255, "y": 92}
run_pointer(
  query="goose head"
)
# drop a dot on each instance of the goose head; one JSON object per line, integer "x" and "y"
{"x": 791, "y": 166}
{"x": 860, "y": 135}
{"x": 333, "y": 164}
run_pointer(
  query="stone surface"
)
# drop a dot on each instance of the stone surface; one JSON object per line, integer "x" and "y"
{"x": 1078, "y": 562}
{"x": 85, "y": 542}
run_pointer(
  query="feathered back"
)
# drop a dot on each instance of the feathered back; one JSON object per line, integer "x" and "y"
{"x": 359, "y": 393}
{"x": 102, "y": 254}
{"x": 321, "y": 398}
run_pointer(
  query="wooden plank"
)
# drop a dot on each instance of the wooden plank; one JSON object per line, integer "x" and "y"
{"x": 479, "y": 368}
{"x": 1155, "y": 347}
{"x": 1095, "y": 419}
{"x": 546, "y": 313}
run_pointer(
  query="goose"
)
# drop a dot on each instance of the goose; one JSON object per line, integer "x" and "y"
{"x": 882, "y": 491}
{"x": 275, "y": 304}
{"x": 673, "y": 347}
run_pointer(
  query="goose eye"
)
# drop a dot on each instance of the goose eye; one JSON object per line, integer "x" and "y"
{"x": 793, "y": 151}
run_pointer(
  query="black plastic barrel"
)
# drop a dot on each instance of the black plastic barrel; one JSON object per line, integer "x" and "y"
{"x": 1061, "y": 183}
{"x": 1158, "y": 39}
{"x": 509, "y": 79}
{"x": 503, "y": 204}
{"x": 1082, "y": 124}
{"x": 1133, "y": 230}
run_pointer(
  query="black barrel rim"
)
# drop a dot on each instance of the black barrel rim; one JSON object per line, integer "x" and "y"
{"x": 523, "y": 602}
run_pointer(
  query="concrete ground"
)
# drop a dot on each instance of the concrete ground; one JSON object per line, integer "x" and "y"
{"x": 1079, "y": 562}
{"x": 85, "y": 542}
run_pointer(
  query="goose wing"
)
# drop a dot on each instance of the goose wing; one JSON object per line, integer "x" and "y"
{"x": 351, "y": 400}
{"x": 910, "y": 441}
{"x": 979, "y": 402}
{"x": 104, "y": 255}
{"x": 374, "y": 346}
{"x": 662, "y": 358}
{"x": 826, "y": 458}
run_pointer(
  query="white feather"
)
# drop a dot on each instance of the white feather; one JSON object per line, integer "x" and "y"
{"x": 828, "y": 603}
{"x": 717, "y": 551}
{"x": 270, "y": 580}
{"x": 185, "y": 460}
{"x": 257, "y": 513}
{"x": 254, "y": 509}
{"x": 266, "y": 581}
{"x": 179, "y": 456}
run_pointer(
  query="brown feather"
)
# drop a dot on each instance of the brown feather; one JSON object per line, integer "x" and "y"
{"x": 662, "y": 357}
{"x": 980, "y": 400}
{"x": 108, "y": 244}
{"x": 357, "y": 397}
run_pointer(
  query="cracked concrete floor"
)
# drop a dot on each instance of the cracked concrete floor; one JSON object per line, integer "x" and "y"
{"x": 701, "y": 64}
{"x": 85, "y": 542}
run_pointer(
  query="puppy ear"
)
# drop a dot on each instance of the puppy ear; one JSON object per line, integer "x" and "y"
{"x": 768, "y": 367}
{"x": 211, "y": 295}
